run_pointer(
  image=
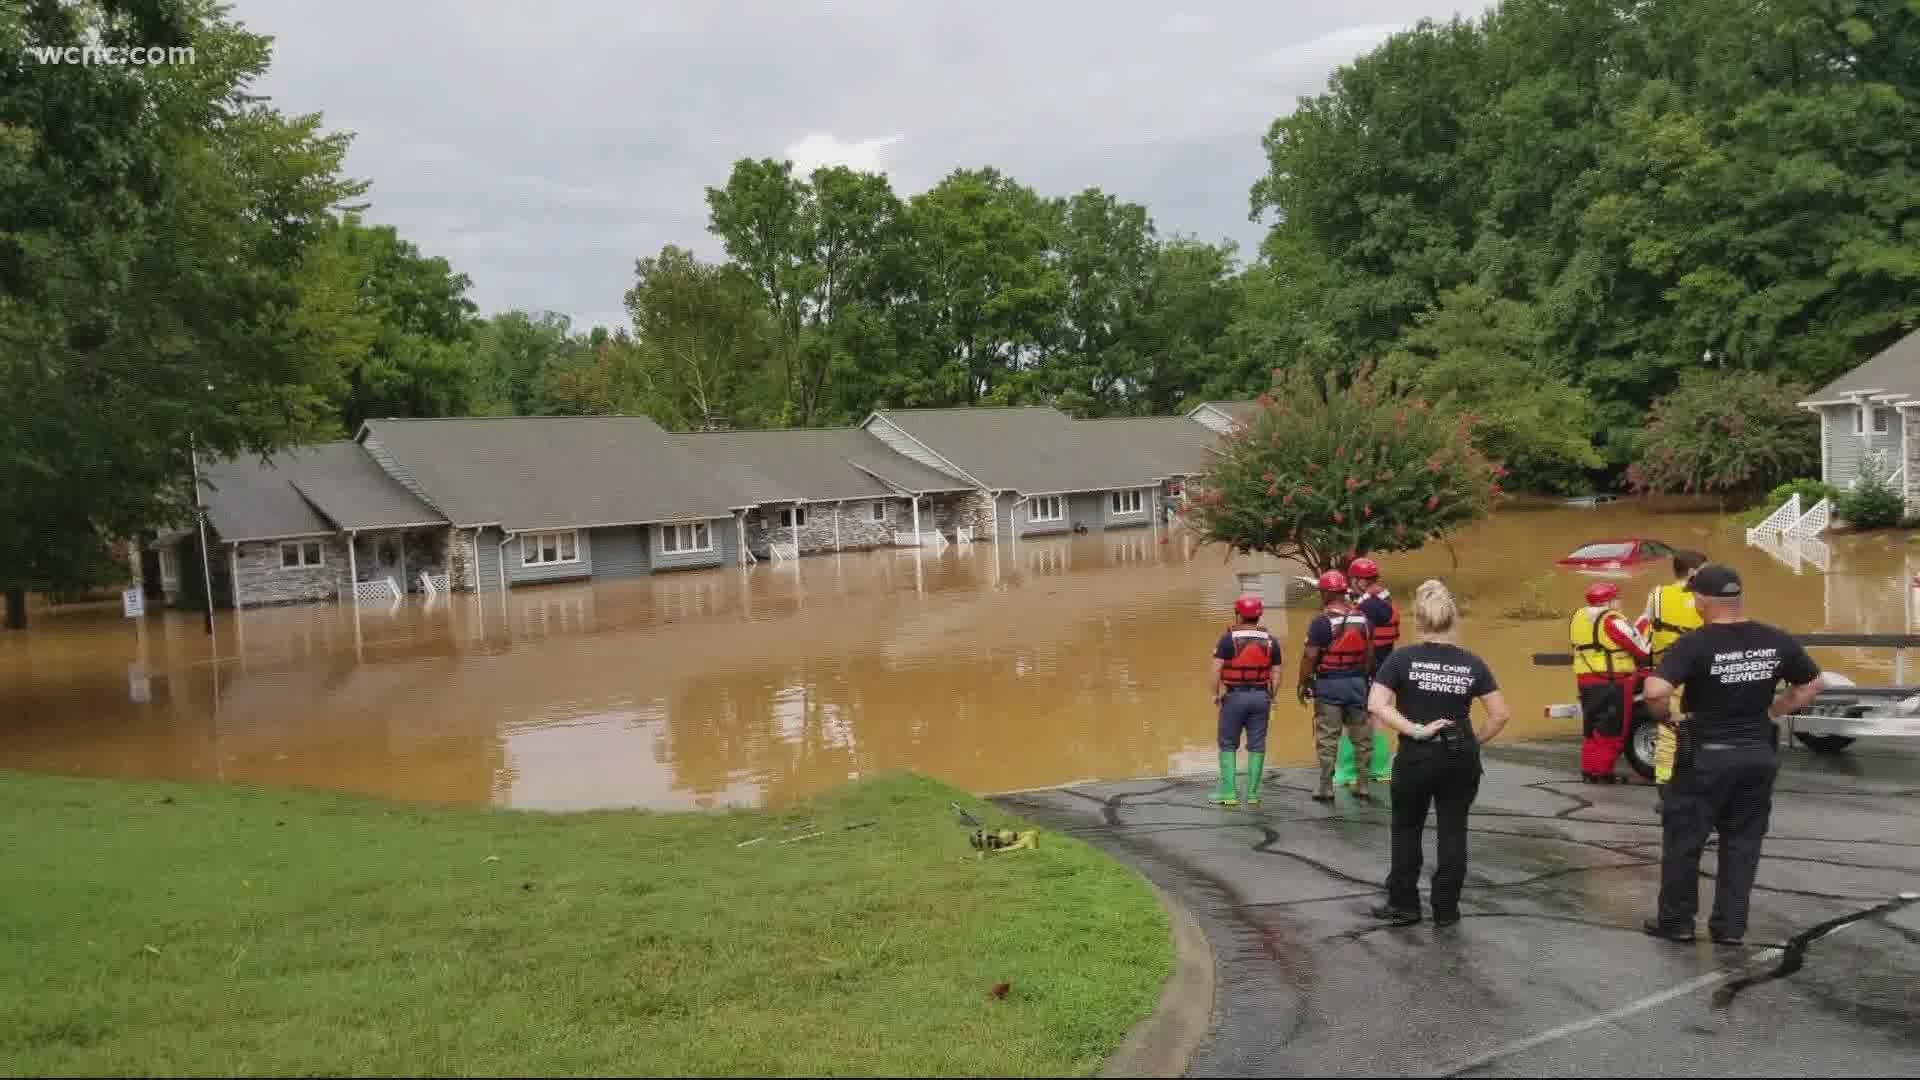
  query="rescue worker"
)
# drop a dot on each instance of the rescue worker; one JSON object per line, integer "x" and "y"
{"x": 1426, "y": 693}
{"x": 1608, "y": 658}
{"x": 1246, "y": 679}
{"x": 1377, "y": 604}
{"x": 1723, "y": 774}
{"x": 1670, "y": 613}
{"x": 1334, "y": 668}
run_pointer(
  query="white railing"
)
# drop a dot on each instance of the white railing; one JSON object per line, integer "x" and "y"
{"x": 1778, "y": 521}
{"x": 1813, "y": 522}
{"x": 1898, "y": 479}
{"x": 963, "y": 535}
{"x": 378, "y": 590}
{"x": 1785, "y": 551}
{"x": 786, "y": 552}
{"x": 1816, "y": 552}
{"x": 433, "y": 584}
{"x": 927, "y": 538}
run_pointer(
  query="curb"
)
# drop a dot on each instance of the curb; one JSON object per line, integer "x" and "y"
{"x": 1163, "y": 1044}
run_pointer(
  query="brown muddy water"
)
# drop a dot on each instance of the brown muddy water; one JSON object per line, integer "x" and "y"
{"x": 994, "y": 668}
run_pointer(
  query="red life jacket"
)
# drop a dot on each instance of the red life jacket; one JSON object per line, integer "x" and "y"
{"x": 1347, "y": 654}
{"x": 1384, "y": 637}
{"x": 1255, "y": 655}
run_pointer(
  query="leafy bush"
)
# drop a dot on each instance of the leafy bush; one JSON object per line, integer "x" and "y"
{"x": 1725, "y": 432}
{"x": 1810, "y": 492}
{"x": 1537, "y": 603}
{"x": 1873, "y": 503}
{"x": 1323, "y": 472}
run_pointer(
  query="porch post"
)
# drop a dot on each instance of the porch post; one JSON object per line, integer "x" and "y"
{"x": 797, "y": 507}
{"x": 233, "y": 573}
{"x": 403, "y": 564}
{"x": 740, "y": 531}
{"x": 353, "y": 566}
{"x": 836, "y": 525}
{"x": 916, "y": 521}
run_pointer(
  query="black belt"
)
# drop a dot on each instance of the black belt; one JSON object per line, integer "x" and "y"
{"x": 1231, "y": 687}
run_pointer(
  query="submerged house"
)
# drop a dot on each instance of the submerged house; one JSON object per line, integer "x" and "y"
{"x": 482, "y": 503}
{"x": 1870, "y": 420}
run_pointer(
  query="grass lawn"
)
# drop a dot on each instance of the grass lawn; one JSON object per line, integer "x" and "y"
{"x": 172, "y": 928}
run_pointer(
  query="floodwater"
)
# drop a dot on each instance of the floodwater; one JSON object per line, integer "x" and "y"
{"x": 993, "y": 667}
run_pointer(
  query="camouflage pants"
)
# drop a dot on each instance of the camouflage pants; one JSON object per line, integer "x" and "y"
{"x": 1328, "y": 722}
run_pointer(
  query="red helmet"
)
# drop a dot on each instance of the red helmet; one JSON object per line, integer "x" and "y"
{"x": 1248, "y": 606}
{"x": 1602, "y": 592}
{"x": 1364, "y": 568}
{"x": 1333, "y": 582}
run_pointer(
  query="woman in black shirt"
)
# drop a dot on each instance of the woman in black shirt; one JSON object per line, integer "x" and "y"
{"x": 1426, "y": 693}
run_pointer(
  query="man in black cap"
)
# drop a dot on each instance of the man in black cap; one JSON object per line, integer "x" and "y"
{"x": 1728, "y": 757}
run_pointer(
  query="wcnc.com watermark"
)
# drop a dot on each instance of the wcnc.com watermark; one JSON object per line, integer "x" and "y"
{"x": 111, "y": 55}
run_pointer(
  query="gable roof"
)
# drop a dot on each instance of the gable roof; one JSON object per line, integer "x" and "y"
{"x": 1895, "y": 370}
{"x": 306, "y": 491}
{"x": 1034, "y": 450}
{"x": 812, "y": 464}
{"x": 562, "y": 472}
{"x": 1238, "y": 412}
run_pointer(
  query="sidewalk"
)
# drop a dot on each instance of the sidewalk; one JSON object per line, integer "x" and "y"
{"x": 1548, "y": 972}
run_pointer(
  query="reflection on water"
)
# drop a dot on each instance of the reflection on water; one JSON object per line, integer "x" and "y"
{"x": 994, "y": 667}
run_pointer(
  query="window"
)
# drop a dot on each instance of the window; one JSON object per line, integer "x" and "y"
{"x": 1046, "y": 508}
{"x": 1860, "y": 420}
{"x": 1603, "y": 551}
{"x": 1126, "y": 502}
{"x": 786, "y": 516}
{"x": 877, "y": 511}
{"x": 169, "y": 570}
{"x": 295, "y": 554}
{"x": 549, "y": 549}
{"x": 1881, "y": 420}
{"x": 685, "y": 539}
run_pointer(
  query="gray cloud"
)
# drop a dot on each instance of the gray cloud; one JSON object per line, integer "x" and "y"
{"x": 541, "y": 149}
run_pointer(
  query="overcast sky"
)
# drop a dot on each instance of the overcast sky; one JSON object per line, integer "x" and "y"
{"x": 542, "y": 147}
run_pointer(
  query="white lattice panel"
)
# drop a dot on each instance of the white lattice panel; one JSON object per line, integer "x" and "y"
{"x": 379, "y": 591}
{"x": 1813, "y": 522}
{"x": 1778, "y": 521}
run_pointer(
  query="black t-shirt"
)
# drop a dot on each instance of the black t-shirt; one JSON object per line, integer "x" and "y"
{"x": 1730, "y": 672}
{"x": 1435, "y": 681}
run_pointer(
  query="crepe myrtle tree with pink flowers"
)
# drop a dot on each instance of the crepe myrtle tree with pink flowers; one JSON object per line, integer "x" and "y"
{"x": 1323, "y": 472}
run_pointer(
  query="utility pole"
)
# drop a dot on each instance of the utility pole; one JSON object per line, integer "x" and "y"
{"x": 200, "y": 515}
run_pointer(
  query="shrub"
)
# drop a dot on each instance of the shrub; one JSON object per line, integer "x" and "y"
{"x": 1726, "y": 432}
{"x": 1321, "y": 473}
{"x": 1873, "y": 503}
{"x": 1810, "y": 492}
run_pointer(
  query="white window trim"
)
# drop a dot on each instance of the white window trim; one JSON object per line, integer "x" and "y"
{"x": 300, "y": 546}
{"x": 1035, "y": 517}
{"x": 877, "y": 511}
{"x": 169, "y": 564}
{"x": 1117, "y": 501}
{"x": 1860, "y": 425}
{"x": 660, "y": 533}
{"x": 529, "y": 556}
{"x": 783, "y": 517}
{"x": 1879, "y": 414}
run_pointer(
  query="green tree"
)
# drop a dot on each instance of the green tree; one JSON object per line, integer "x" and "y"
{"x": 1324, "y": 471}
{"x": 1486, "y": 357}
{"x": 709, "y": 338}
{"x": 157, "y": 278}
{"x": 1727, "y": 433}
{"x": 512, "y": 351}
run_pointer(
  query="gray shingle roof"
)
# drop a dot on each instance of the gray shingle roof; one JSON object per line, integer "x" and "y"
{"x": 1239, "y": 411}
{"x": 1175, "y": 445}
{"x": 1894, "y": 370}
{"x": 1032, "y": 450}
{"x": 811, "y": 464}
{"x": 304, "y": 491}
{"x": 527, "y": 472}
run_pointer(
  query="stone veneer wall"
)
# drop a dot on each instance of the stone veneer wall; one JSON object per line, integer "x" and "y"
{"x": 857, "y": 530}
{"x": 459, "y": 560}
{"x": 262, "y": 581}
{"x": 1910, "y": 439}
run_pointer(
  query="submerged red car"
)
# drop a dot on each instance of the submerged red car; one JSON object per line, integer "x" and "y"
{"x": 1608, "y": 556}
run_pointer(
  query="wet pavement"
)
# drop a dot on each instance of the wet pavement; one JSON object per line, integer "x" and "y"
{"x": 1548, "y": 973}
{"x": 992, "y": 667}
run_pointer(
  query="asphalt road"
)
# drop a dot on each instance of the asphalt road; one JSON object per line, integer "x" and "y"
{"x": 1548, "y": 973}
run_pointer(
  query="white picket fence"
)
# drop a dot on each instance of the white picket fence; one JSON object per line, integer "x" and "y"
{"x": 379, "y": 590}
{"x": 1777, "y": 522}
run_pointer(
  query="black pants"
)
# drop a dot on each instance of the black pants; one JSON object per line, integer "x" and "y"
{"x": 1723, "y": 788}
{"x": 1428, "y": 774}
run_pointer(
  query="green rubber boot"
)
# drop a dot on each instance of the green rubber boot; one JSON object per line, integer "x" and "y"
{"x": 1343, "y": 772}
{"x": 1382, "y": 757}
{"x": 1225, "y": 795}
{"x": 1256, "y": 770}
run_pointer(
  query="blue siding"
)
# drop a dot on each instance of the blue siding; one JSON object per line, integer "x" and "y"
{"x": 519, "y": 574}
{"x": 726, "y": 548}
{"x": 486, "y": 557}
{"x": 1148, "y": 503}
{"x": 619, "y": 552}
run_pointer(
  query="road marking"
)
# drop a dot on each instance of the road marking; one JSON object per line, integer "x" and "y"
{"x": 1577, "y": 1026}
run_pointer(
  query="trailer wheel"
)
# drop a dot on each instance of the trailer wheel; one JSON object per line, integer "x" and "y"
{"x": 1824, "y": 744}
{"x": 1640, "y": 747}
